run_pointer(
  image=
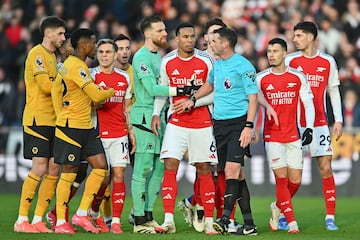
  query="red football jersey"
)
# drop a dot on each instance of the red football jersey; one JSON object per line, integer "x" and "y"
{"x": 321, "y": 72}
{"x": 176, "y": 71}
{"x": 111, "y": 117}
{"x": 283, "y": 92}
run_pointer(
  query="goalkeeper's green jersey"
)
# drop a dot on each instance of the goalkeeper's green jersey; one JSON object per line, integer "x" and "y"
{"x": 146, "y": 69}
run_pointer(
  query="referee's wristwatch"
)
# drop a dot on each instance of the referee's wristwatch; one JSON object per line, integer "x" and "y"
{"x": 249, "y": 124}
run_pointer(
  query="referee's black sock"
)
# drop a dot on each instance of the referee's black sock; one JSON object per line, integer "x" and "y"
{"x": 244, "y": 203}
{"x": 230, "y": 196}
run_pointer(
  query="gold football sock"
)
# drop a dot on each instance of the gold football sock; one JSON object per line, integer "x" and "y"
{"x": 63, "y": 193}
{"x": 45, "y": 194}
{"x": 106, "y": 203}
{"x": 92, "y": 186}
{"x": 27, "y": 193}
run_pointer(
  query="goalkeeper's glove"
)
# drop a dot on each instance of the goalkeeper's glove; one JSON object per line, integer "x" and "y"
{"x": 188, "y": 90}
{"x": 307, "y": 136}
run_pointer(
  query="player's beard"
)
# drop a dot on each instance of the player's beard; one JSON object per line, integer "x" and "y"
{"x": 160, "y": 43}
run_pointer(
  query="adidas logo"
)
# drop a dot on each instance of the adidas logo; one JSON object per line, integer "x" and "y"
{"x": 300, "y": 69}
{"x": 167, "y": 196}
{"x": 211, "y": 200}
{"x": 175, "y": 72}
{"x": 119, "y": 201}
{"x": 270, "y": 87}
{"x": 288, "y": 210}
{"x": 331, "y": 199}
{"x": 102, "y": 84}
{"x": 213, "y": 156}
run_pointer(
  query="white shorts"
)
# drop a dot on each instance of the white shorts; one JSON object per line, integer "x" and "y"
{"x": 321, "y": 143}
{"x": 284, "y": 154}
{"x": 199, "y": 142}
{"x": 116, "y": 151}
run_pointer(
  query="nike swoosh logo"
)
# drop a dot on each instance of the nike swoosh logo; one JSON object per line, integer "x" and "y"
{"x": 246, "y": 232}
{"x": 227, "y": 195}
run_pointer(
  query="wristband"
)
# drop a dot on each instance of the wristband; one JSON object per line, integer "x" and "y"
{"x": 249, "y": 124}
{"x": 193, "y": 98}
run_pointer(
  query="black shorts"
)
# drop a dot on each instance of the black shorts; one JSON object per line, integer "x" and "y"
{"x": 72, "y": 145}
{"x": 227, "y": 134}
{"x": 38, "y": 141}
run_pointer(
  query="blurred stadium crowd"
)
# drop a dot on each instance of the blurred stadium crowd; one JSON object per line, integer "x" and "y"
{"x": 256, "y": 21}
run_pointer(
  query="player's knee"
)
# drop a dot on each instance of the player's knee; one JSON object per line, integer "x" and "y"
{"x": 203, "y": 168}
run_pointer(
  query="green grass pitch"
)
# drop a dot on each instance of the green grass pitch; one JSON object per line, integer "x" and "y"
{"x": 308, "y": 211}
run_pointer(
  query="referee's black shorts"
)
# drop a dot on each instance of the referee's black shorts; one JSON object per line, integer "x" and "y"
{"x": 227, "y": 134}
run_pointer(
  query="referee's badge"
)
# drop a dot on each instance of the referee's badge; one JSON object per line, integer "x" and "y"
{"x": 227, "y": 83}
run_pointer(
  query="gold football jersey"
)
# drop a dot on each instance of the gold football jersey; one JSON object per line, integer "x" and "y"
{"x": 40, "y": 72}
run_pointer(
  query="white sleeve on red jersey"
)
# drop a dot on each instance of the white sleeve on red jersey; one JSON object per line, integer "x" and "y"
{"x": 261, "y": 98}
{"x": 335, "y": 100}
{"x": 209, "y": 60}
{"x": 333, "y": 89}
{"x": 334, "y": 73}
{"x": 128, "y": 94}
{"x": 306, "y": 97}
{"x": 164, "y": 81}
